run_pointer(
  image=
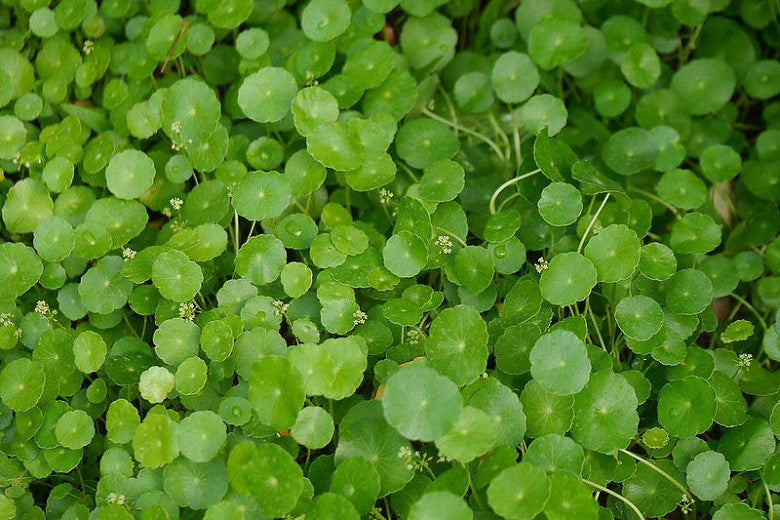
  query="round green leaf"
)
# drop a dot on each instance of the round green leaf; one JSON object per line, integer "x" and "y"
{"x": 657, "y": 261}
{"x": 357, "y": 480}
{"x": 720, "y": 163}
{"x": 421, "y": 142}
{"x": 695, "y": 233}
{"x": 129, "y": 174}
{"x": 708, "y": 475}
{"x": 639, "y": 317}
{"x": 261, "y": 259}
{"x": 457, "y": 344}
{"x": 155, "y": 384}
{"x": 154, "y": 441}
{"x": 74, "y": 429}
{"x": 440, "y": 504}
{"x": 515, "y": 77}
{"x": 568, "y": 279}
{"x": 324, "y": 20}
{"x": 276, "y": 391}
{"x": 560, "y": 204}
{"x": 201, "y": 436}
{"x": 559, "y": 361}
{"x": 473, "y": 435}
{"x": 313, "y": 428}
{"x": 570, "y": 498}
{"x": 54, "y": 239}
{"x": 195, "y": 485}
{"x": 265, "y": 96}
{"x": 261, "y": 195}
{"x": 641, "y": 65}
{"x": 21, "y": 384}
{"x": 689, "y": 291}
{"x": 175, "y": 340}
{"x": 176, "y": 277}
{"x": 654, "y": 494}
{"x": 704, "y": 85}
{"x": 519, "y": 492}
{"x": 605, "y": 415}
{"x": 420, "y": 403}
{"x": 630, "y": 151}
{"x": 268, "y": 473}
{"x": 554, "y": 41}
{"x": 686, "y": 407}
{"x": 405, "y": 254}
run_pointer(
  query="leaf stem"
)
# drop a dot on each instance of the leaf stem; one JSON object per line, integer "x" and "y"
{"x": 504, "y": 186}
{"x": 596, "y": 326}
{"x": 482, "y": 137}
{"x": 453, "y": 235}
{"x": 476, "y": 495}
{"x": 659, "y": 471}
{"x": 236, "y": 231}
{"x": 592, "y": 222}
{"x": 618, "y": 496}
{"x": 657, "y": 199}
{"x": 752, "y": 309}
{"x": 769, "y": 501}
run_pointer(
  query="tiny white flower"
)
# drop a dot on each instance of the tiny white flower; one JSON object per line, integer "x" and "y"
{"x": 6, "y": 319}
{"x": 176, "y": 127}
{"x": 41, "y": 307}
{"x": 88, "y": 47}
{"x": 176, "y": 203}
{"x": 187, "y": 310}
{"x": 281, "y": 307}
{"x": 445, "y": 243}
{"x": 385, "y": 196}
{"x": 745, "y": 359}
{"x": 541, "y": 265}
{"x": 127, "y": 253}
{"x": 166, "y": 211}
{"x": 359, "y": 317}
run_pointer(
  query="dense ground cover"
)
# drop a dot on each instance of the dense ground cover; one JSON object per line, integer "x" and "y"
{"x": 381, "y": 259}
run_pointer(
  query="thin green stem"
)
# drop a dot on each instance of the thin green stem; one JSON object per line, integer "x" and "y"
{"x": 769, "y": 501}
{"x": 659, "y": 471}
{"x": 592, "y": 222}
{"x": 453, "y": 235}
{"x": 235, "y": 232}
{"x": 752, "y": 309}
{"x": 596, "y": 326}
{"x": 504, "y": 186}
{"x": 408, "y": 171}
{"x": 482, "y": 137}
{"x": 618, "y": 496}
{"x": 475, "y": 494}
{"x": 657, "y": 199}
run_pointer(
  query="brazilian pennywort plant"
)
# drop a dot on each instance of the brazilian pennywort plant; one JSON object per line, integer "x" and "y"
{"x": 389, "y": 259}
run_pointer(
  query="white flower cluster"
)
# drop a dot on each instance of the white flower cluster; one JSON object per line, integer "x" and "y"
{"x": 187, "y": 310}
{"x": 359, "y": 317}
{"x": 127, "y": 253}
{"x": 116, "y": 498}
{"x": 88, "y": 47}
{"x": 445, "y": 243}
{"x": 41, "y": 307}
{"x": 385, "y": 196}
{"x": 414, "y": 336}
{"x": 414, "y": 459}
{"x": 180, "y": 143}
{"x": 281, "y": 307}
{"x": 541, "y": 265}
{"x": 176, "y": 203}
{"x": 745, "y": 360}
{"x": 6, "y": 319}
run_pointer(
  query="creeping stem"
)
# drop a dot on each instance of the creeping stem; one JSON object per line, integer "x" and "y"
{"x": 592, "y": 223}
{"x": 660, "y": 472}
{"x": 505, "y": 186}
{"x": 482, "y": 137}
{"x": 618, "y": 496}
